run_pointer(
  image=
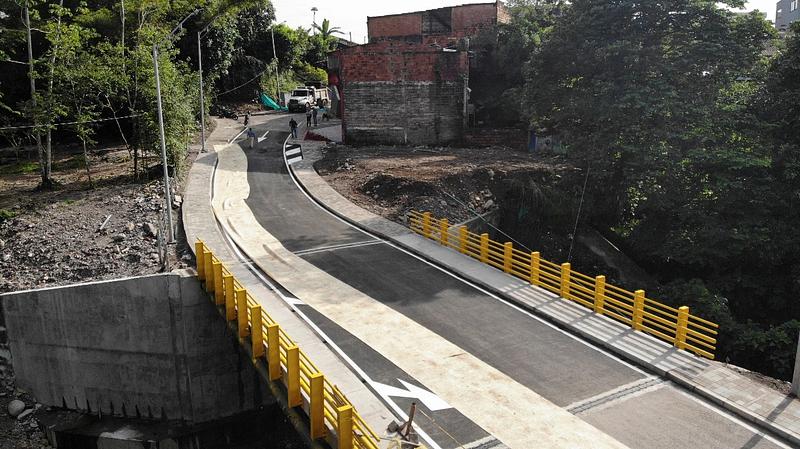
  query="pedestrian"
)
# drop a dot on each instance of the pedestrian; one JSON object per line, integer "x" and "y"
{"x": 251, "y": 137}
{"x": 247, "y": 119}
{"x": 308, "y": 116}
{"x": 314, "y": 113}
{"x": 293, "y": 127}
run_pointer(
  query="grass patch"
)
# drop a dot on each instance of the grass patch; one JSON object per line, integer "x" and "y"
{"x": 19, "y": 168}
{"x": 70, "y": 164}
{"x": 6, "y": 214}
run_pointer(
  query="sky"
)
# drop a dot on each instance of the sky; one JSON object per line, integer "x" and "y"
{"x": 351, "y": 15}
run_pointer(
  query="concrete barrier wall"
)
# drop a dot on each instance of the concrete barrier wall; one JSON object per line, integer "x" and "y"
{"x": 152, "y": 346}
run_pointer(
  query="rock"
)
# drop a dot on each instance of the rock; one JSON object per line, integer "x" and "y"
{"x": 6, "y": 257}
{"x": 25, "y": 414}
{"x": 150, "y": 229}
{"x": 443, "y": 203}
{"x": 118, "y": 237}
{"x": 16, "y": 407}
{"x": 130, "y": 227}
{"x": 488, "y": 204}
{"x": 2, "y": 244}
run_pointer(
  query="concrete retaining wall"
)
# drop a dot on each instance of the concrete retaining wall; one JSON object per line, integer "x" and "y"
{"x": 152, "y": 347}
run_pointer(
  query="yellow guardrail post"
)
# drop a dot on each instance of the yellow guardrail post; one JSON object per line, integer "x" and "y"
{"x": 293, "y": 376}
{"x": 345, "y": 426}
{"x": 463, "y": 233}
{"x": 273, "y": 352}
{"x": 565, "y": 271}
{"x": 680, "y": 330}
{"x": 484, "y": 247}
{"x": 444, "y": 230}
{"x": 317, "y": 406}
{"x": 241, "y": 313}
{"x": 599, "y": 294}
{"x": 257, "y": 333}
{"x": 227, "y": 283}
{"x": 219, "y": 292}
{"x": 230, "y": 302}
{"x": 199, "y": 247}
{"x": 209, "y": 270}
{"x": 508, "y": 251}
{"x": 426, "y": 224}
{"x": 535, "y": 263}
{"x": 638, "y": 309}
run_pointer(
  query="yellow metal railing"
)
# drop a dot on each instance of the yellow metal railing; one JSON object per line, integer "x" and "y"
{"x": 327, "y": 408}
{"x": 677, "y": 326}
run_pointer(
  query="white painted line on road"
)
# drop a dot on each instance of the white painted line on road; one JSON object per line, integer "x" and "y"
{"x": 335, "y": 247}
{"x": 399, "y": 413}
{"x": 237, "y": 136}
{"x": 294, "y": 160}
{"x": 293, "y": 152}
{"x": 432, "y": 402}
{"x": 466, "y": 281}
{"x": 263, "y": 138}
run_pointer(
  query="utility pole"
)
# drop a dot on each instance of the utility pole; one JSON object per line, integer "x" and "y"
{"x": 275, "y": 58}
{"x": 167, "y": 191}
{"x": 202, "y": 99}
{"x": 314, "y": 20}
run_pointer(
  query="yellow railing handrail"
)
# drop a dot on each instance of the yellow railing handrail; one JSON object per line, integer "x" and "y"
{"x": 328, "y": 409}
{"x": 674, "y": 325}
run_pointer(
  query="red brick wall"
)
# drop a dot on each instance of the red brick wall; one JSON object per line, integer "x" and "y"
{"x": 471, "y": 17}
{"x": 394, "y": 60}
{"x": 397, "y": 25}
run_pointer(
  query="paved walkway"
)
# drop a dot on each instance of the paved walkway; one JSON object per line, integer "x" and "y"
{"x": 200, "y": 222}
{"x": 716, "y": 382}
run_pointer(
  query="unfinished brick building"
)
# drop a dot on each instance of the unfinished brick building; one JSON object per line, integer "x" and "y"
{"x": 409, "y": 84}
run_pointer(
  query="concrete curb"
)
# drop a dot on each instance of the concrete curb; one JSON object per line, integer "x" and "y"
{"x": 672, "y": 375}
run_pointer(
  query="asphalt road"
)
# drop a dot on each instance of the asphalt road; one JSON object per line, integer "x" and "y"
{"x": 628, "y": 404}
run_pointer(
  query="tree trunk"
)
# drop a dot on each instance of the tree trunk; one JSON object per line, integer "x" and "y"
{"x": 49, "y": 149}
{"x": 86, "y": 163}
{"x": 44, "y": 168}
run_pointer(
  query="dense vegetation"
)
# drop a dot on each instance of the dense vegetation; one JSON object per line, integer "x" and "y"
{"x": 92, "y": 60}
{"x": 687, "y": 117}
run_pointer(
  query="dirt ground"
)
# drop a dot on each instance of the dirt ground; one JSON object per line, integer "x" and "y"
{"x": 72, "y": 234}
{"x": 455, "y": 183}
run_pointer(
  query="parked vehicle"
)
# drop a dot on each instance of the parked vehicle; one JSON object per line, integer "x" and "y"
{"x": 223, "y": 112}
{"x": 303, "y": 96}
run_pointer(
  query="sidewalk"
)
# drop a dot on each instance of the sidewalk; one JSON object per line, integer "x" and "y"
{"x": 712, "y": 380}
{"x": 200, "y": 222}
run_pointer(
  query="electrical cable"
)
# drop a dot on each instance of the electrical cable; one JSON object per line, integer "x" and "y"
{"x": 242, "y": 85}
{"x": 4, "y": 128}
{"x": 474, "y": 212}
{"x": 578, "y": 217}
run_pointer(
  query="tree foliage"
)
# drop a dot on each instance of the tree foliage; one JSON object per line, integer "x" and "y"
{"x": 691, "y": 135}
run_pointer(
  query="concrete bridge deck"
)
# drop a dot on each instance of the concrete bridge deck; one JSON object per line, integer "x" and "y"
{"x": 405, "y": 325}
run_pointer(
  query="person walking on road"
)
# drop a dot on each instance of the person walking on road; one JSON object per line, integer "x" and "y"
{"x": 314, "y": 113}
{"x": 247, "y": 119}
{"x": 308, "y": 116}
{"x": 293, "y": 127}
{"x": 251, "y": 137}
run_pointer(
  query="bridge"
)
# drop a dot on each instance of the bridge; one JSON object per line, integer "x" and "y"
{"x": 496, "y": 347}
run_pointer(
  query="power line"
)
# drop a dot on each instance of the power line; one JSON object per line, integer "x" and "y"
{"x": 69, "y": 123}
{"x": 242, "y": 85}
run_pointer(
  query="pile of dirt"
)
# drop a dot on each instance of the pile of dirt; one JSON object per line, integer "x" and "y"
{"x": 455, "y": 183}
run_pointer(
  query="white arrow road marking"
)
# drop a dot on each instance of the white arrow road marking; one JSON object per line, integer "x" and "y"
{"x": 263, "y": 138}
{"x": 431, "y": 401}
